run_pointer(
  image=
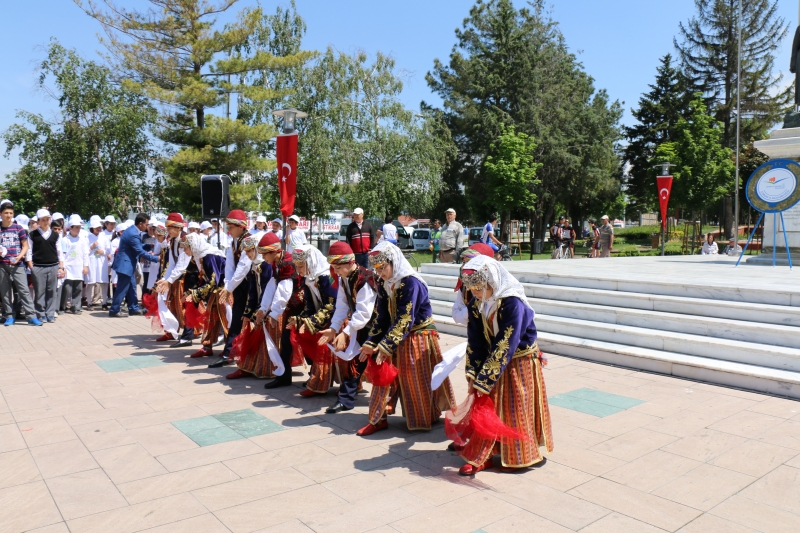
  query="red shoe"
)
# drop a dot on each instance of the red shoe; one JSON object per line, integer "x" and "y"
{"x": 239, "y": 373}
{"x": 164, "y": 338}
{"x": 471, "y": 470}
{"x": 309, "y": 393}
{"x": 369, "y": 429}
{"x": 202, "y": 352}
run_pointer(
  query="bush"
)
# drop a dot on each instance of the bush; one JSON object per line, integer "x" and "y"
{"x": 637, "y": 232}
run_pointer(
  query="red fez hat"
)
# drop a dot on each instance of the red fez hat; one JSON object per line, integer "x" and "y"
{"x": 237, "y": 217}
{"x": 340, "y": 253}
{"x": 175, "y": 220}
{"x": 269, "y": 243}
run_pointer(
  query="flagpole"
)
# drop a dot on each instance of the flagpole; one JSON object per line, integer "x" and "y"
{"x": 738, "y": 129}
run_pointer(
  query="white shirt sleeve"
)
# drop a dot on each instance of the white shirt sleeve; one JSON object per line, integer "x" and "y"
{"x": 460, "y": 311}
{"x": 341, "y": 310}
{"x": 365, "y": 303}
{"x": 281, "y": 298}
{"x": 267, "y": 296}
{"x": 239, "y": 274}
{"x": 29, "y": 253}
{"x": 229, "y": 269}
{"x": 62, "y": 257}
{"x": 179, "y": 268}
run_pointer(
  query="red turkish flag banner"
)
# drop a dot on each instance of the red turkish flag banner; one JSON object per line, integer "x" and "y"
{"x": 286, "y": 154}
{"x": 664, "y": 184}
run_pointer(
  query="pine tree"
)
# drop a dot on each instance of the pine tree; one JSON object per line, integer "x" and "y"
{"x": 709, "y": 49}
{"x": 176, "y": 54}
{"x": 657, "y": 115}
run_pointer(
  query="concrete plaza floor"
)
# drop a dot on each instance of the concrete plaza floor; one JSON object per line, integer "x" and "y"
{"x": 103, "y": 430}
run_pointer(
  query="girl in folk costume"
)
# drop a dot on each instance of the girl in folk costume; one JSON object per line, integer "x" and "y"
{"x": 459, "y": 309}
{"x": 281, "y": 301}
{"x": 403, "y": 333}
{"x": 256, "y": 360}
{"x": 76, "y": 261}
{"x": 352, "y": 319}
{"x": 211, "y": 265}
{"x": 172, "y": 280}
{"x": 99, "y": 253}
{"x": 319, "y": 295}
{"x": 237, "y": 266}
{"x": 504, "y": 362}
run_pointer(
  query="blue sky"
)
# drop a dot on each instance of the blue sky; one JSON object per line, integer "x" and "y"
{"x": 619, "y": 42}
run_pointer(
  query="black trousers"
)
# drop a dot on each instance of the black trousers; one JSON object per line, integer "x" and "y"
{"x": 237, "y": 313}
{"x": 286, "y": 356}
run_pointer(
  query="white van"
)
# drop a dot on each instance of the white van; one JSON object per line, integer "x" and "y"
{"x": 421, "y": 239}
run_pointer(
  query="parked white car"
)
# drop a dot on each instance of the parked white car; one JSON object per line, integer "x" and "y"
{"x": 421, "y": 239}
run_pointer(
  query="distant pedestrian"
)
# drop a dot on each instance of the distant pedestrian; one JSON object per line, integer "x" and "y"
{"x": 13, "y": 279}
{"x": 360, "y": 235}
{"x": 294, "y": 237}
{"x": 488, "y": 237}
{"x": 709, "y": 246}
{"x": 46, "y": 262}
{"x": 76, "y": 262}
{"x": 452, "y": 238}
{"x": 436, "y": 235}
{"x": 389, "y": 231}
{"x": 606, "y": 237}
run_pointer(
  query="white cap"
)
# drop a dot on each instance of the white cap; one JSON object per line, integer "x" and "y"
{"x": 295, "y": 218}
{"x": 75, "y": 220}
{"x": 41, "y": 213}
{"x": 214, "y": 220}
{"x": 128, "y": 223}
{"x": 604, "y": 217}
{"x": 35, "y": 218}
{"x": 358, "y": 211}
{"x": 22, "y": 220}
{"x": 95, "y": 222}
{"x": 205, "y": 225}
{"x": 58, "y": 216}
{"x": 194, "y": 225}
{"x": 261, "y": 218}
{"x": 279, "y": 221}
{"x": 451, "y": 210}
{"x": 6, "y": 201}
{"x": 152, "y": 222}
{"x": 110, "y": 218}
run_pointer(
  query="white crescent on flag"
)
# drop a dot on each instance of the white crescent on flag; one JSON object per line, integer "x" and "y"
{"x": 664, "y": 193}
{"x": 287, "y": 165}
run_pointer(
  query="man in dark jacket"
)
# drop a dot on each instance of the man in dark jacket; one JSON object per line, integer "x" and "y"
{"x": 129, "y": 252}
{"x": 360, "y": 235}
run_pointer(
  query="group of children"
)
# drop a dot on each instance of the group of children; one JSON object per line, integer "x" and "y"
{"x": 279, "y": 308}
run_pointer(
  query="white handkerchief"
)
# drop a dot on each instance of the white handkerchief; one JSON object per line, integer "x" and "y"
{"x": 168, "y": 320}
{"x": 450, "y": 360}
{"x": 350, "y": 352}
{"x": 274, "y": 355}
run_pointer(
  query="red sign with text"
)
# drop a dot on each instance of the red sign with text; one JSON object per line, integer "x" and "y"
{"x": 286, "y": 154}
{"x": 664, "y": 184}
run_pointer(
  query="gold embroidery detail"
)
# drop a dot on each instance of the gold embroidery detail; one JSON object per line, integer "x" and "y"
{"x": 493, "y": 365}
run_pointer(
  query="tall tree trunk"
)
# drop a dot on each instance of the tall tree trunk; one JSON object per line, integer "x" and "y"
{"x": 730, "y": 224}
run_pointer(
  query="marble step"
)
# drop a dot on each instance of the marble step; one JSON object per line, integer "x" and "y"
{"x": 777, "y": 357}
{"x": 729, "y": 373}
{"x": 787, "y": 295}
{"x": 442, "y": 286}
{"x": 740, "y": 330}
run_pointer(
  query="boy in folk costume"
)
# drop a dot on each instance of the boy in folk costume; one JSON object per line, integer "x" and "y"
{"x": 257, "y": 361}
{"x": 211, "y": 265}
{"x": 459, "y": 310}
{"x": 319, "y": 295}
{"x": 99, "y": 254}
{"x": 172, "y": 282}
{"x": 281, "y": 301}
{"x": 352, "y": 318}
{"x": 403, "y": 333}
{"x": 237, "y": 266}
{"x": 504, "y": 362}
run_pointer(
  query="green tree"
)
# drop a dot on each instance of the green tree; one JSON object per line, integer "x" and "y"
{"x": 512, "y": 67}
{"x": 94, "y": 158}
{"x": 658, "y": 113}
{"x": 176, "y": 54}
{"x": 511, "y": 172}
{"x": 703, "y": 167}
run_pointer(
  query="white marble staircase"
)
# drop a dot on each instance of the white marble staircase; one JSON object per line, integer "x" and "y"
{"x": 747, "y": 337}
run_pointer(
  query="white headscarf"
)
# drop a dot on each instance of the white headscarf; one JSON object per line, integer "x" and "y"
{"x": 502, "y": 282}
{"x": 402, "y": 268}
{"x": 316, "y": 263}
{"x": 200, "y": 248}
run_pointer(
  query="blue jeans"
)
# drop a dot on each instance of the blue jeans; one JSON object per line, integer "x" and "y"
{"x": 125, "y": 289}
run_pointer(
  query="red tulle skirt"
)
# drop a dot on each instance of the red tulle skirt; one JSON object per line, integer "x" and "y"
{"x": 320, "y": 355}
{"x": 381, "y": 375}
{"x": 193, "y": 317}
{"x": 476, "y": 417}
{"x": 246, "y": 344}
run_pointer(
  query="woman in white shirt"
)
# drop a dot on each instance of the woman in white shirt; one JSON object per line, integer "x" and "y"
{"x": 709, "y": 247}
{"x": 76, "y": 262}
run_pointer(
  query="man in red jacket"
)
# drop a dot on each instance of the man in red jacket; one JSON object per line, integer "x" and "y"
{"x": 360, "y": 235}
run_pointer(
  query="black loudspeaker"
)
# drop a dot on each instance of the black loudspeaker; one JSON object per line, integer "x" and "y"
{"x": 214, "y": 191}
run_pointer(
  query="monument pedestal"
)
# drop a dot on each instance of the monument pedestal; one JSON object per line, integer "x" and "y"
{"x": 782, "y": 144}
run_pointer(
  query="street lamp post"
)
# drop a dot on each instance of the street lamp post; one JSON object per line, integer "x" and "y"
{"x": 286, "y": 155}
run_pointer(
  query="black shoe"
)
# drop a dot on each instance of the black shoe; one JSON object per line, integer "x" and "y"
{"x": 451, "y": 447}
{"x": 182, "y": 343}
{"x": 337, "y": 408}
{"x": 135, "y": 313}
{"x": 219, "y": 363}
{"x": 105, "y": 308}
{"x": 275, "y": 383}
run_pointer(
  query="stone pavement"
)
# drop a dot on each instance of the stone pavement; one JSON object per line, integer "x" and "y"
{"x": 103, "y": 430}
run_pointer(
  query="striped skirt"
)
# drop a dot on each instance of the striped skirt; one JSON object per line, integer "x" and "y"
{"x": 216, "y": 323}
{"x": 416, "y": 356}
{"x": 175, "y": 298}
{"x": 259, "y": 364}
{"x": 520, "y": 399}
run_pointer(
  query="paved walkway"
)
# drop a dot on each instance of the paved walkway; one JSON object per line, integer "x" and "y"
{"x": 102, "y": 430}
